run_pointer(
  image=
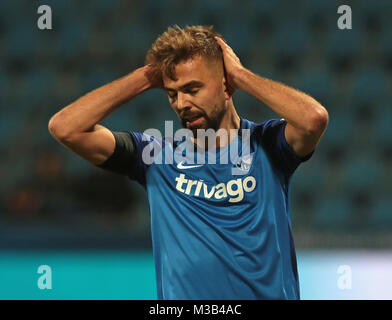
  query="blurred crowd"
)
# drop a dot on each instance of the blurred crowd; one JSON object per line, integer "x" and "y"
{"x": 345, "y": 187}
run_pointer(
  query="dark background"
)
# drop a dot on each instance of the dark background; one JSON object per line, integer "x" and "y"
{"x": 51, "y": 198}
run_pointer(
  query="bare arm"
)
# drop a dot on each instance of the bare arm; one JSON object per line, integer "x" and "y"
{"x": 76, "y": 125}
{"x": 306, "y": 118}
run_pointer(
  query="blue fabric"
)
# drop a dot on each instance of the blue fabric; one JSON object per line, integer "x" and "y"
{"x": 218, "y": 233}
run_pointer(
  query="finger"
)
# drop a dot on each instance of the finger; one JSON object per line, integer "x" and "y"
{"x": 221, "y": 42}
{"x": 218, "y": 40}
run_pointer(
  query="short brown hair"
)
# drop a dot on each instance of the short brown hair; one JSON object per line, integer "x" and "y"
{"x": 177, "y": 44}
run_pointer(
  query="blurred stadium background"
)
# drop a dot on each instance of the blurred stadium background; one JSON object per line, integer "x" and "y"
{"x": 56, "y": 208}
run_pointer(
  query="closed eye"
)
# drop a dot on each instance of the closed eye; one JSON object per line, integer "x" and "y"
{"x": 192, "y": 92}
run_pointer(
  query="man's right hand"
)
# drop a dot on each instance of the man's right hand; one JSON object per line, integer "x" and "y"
{"x": 154, "y": 76}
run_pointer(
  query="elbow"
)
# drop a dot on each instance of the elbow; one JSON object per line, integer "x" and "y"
{"x": 57, "y": 128}
{"x": 52, "y": 126}
{"x": 319, "y": 121}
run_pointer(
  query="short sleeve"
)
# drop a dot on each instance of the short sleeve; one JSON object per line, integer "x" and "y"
{"x": 138, "y": 171}
{"x": 272, "y": 137}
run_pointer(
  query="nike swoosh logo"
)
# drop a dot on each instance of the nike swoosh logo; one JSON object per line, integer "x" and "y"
{"x": 181, "y": 165}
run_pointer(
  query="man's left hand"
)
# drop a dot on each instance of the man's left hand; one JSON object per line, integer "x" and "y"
{"x": 232, "y": 64}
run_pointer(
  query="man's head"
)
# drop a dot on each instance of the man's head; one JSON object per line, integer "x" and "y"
{"x": 191, "y": 64}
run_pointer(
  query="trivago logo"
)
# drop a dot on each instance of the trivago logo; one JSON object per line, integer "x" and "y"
{"x": 234, "y": 189}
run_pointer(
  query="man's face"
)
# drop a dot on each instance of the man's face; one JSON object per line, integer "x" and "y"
{"x": 198, "y": 95}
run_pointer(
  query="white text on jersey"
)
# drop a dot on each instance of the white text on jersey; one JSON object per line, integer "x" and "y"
{"x": 234, "y": 189}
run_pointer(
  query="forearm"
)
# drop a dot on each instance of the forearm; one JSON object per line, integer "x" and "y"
{"x": 296, "y": 107}
{"x": 87, "y": 111}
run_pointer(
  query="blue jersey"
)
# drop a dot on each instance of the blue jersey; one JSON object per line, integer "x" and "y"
{"x": 218, "y": 233}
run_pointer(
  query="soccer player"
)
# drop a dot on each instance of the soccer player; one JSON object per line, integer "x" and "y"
{"x": 216, "y": 234}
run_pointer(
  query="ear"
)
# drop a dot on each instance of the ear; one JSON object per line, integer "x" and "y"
{"x": 227, "y": 88}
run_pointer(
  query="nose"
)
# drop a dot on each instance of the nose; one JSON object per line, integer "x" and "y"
{"x": 182, "y": 101}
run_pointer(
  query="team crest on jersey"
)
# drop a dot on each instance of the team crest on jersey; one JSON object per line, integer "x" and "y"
{"x": 243, "y": 165}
